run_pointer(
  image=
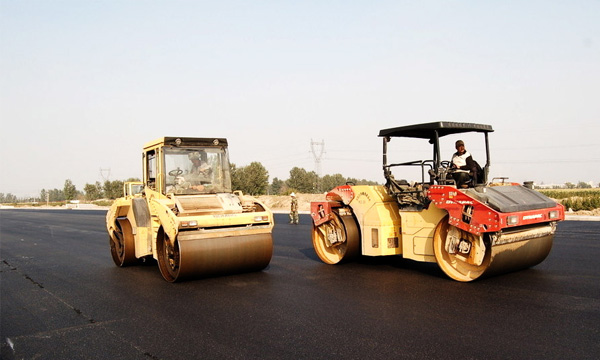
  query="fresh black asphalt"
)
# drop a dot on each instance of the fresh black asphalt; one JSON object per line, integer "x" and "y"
{"x": 63, "y": 298}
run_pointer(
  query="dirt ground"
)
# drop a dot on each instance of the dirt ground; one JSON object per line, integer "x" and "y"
{"x": 282, "y": 202}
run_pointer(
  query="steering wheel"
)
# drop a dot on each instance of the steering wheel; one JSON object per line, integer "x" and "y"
{"x": 175, "y": 172}
{"x": 446, "y": 164}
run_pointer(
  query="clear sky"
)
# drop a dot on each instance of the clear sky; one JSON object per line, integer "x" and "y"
{"x": 84, "y": 84}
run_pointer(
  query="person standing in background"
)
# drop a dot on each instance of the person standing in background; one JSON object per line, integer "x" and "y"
{"x": 293, "y": 209}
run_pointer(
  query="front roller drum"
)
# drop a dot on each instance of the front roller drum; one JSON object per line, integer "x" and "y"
{"x": 122, "y": 243}
{"x": 192, "y": 257}
{"x": 337, "y": 240}
{"x": 465, "y": 257}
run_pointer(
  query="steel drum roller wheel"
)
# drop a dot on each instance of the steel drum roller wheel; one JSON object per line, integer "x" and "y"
{"x": 168, "y": 257}
{"x": 337, "y": 240}
{"x": 122, "y": 244}
{"x": 459, "y": 266}
{"x": 192, "y": 256}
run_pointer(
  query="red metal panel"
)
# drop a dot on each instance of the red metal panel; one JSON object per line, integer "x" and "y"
{"x": 469, "y": 214}
{"x": 342, "y": 193}
{"x": 320, "y": 211}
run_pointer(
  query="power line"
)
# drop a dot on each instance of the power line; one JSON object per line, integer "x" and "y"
{"x": 317, "y": 154}
{"x": 103, "y": 172}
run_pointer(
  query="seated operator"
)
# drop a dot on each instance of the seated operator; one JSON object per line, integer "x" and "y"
{"x": 464, "y": 167}
{"x": 198, "y": 175}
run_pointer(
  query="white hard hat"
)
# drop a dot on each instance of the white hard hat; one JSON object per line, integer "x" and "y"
{"x": 292, "y": 194}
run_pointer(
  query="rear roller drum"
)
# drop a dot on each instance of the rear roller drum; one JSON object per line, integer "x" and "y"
{"x": 169, "y": 258}
{"x": 461, "y": 255}
{"x": 122, "y": 244}
{"x": 336, "y": 240}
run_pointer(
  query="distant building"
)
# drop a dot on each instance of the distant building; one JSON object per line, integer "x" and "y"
{"x": 548, "y": 186}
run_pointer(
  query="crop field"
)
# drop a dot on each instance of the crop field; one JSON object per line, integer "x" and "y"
{"x": 576, "y": 199}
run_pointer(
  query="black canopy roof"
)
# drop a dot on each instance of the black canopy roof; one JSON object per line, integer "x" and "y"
{"x": 427, "y": 131}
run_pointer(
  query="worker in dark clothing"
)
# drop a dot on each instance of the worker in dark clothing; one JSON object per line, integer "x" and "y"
{"x": 464, "y": 167}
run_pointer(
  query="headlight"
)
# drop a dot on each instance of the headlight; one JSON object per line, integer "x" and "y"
{"x": 553, "y": 214}
{"x": 512, "y": 220}
{"x": 261, "y": 218}
{"x": 192, "y": 223}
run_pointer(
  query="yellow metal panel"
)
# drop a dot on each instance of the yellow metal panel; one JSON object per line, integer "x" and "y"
{"x": 143, "y": 246}
{"x": 154, "y": 143}
{"x": 417, "y": 232}
{"x": 422, "y": 245}
{"x": 376, "y": 210}
{"x": 385, "y": 219}
{"x": 143, "y": 242}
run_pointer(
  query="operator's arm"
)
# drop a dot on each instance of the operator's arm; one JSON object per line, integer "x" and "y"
{"x": 471, "y": 164}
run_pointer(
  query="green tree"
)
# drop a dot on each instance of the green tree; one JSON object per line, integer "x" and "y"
{"x": 56, "y": 195}
{"x": 362, "y": 181}
{"x": 303, "y": 181}
{"x": 252, "y": 179}
{"x": 93, "y": 191}
{"x": 277, "y": 186}
{"x": 328, "y": 182}
{"x": 257, "y": 178}
{"x": 8, "y": 198}
{"x": 43, "y": 194}
{"x": 69, "y": 190}
{"x": 113, "y": 189}
{"x": 236, "y": 177}
{"x": 583, "y": 185}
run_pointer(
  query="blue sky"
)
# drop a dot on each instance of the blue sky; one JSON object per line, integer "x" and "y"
{"x": 84, "y": 84}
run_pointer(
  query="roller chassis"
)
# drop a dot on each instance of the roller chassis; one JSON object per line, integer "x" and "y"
{"x": 486, "y": 229}
{"x": 190, "y": 232}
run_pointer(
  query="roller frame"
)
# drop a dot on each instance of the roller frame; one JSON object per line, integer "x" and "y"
{"x": 202, "y": 239}
{"x": 503, "y": 250}
{"x": 203, "y": 252}
{"x": 345, "y": 229}
{"x": 469, "y": 232}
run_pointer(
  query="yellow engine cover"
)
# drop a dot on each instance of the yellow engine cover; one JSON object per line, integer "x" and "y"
{"x": 378, "y": 220}
{"x": 386, "y": 230}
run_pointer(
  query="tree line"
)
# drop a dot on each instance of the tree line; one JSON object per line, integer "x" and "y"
{"x": 107, "y": 190}
{"x": 252, "y": 179}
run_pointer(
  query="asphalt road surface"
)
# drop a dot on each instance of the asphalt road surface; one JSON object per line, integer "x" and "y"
{"x": 63, "y": 298}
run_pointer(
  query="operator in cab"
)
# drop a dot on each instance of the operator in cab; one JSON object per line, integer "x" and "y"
{"x": 464, "y": 167}
{"x": 200, "y": 171}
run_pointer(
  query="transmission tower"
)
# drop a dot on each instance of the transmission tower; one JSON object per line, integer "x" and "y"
{"x": 317, "y": 149}
{"x": 105, "y": 174}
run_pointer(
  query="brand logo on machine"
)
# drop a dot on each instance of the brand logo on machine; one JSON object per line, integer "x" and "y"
{"x": 531, "y": 217}
{"x": 363, "y": 198}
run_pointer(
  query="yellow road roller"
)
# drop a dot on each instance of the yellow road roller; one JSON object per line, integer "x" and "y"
{"x": 450, "y": 215}
{"x": 185, "y": 215}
